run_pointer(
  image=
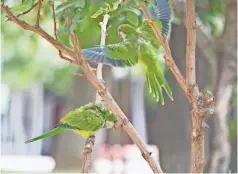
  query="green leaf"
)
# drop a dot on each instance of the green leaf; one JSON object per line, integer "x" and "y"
{"x": 72, "y": 4}
{"x": 105, "y": 9}
{"x": 63, "y": 30}
{"x": 22, "y": 6}
{"x": 132, "y": 18}
{"x": 98, "y": 13}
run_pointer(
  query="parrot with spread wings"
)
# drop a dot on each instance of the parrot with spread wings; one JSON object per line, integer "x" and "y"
{"x": 84, "y": 121}
{"x": 139, "y": 46}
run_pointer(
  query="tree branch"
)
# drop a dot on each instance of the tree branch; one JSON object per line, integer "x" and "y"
{"x": 109, "y": 101}
{"x": 191, "y": 43}
{"x": 27, "y": 11}
{"x": 87, "y": 153}
{"x": 197, "y": 144}
{"x": 38, "y": 13}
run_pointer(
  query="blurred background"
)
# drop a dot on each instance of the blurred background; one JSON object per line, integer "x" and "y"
{"x": 38, "y": 88}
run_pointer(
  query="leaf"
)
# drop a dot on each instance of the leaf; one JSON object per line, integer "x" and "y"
{"x": 73, "y": 4}
{"x": 132, "y": 18}
{"x": 106, "y": 8}
{"x": 22, "y": 6}
{"x": 98, "y": 13}
{"x": 63, "y": 30}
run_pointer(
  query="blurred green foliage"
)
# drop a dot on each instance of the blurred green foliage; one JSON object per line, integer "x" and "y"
{"x": 212, "y": 14}
{"x": 23, "y": 63}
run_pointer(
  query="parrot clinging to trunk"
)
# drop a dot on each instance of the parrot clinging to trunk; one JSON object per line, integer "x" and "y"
{"x": 139, "y": 46}
{"x": 85, "y": 121}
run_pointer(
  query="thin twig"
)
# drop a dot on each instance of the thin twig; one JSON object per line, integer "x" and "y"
{"x": 127, "y": 126}
{"x": 55, "y": 32}
{"x": 27, "y": 11}
{"x": 38, "y": 13}
{"x": 54, "y": 19}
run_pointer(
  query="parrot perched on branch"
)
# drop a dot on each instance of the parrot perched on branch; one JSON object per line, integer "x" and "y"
{"x": 139, "y": 46}
{"x": 85, "y": 121}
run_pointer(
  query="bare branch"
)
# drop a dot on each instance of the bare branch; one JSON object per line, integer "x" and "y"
{"x": 191, "y": 43}
{"x": 55, "y": 33}
{"x": 27, "y": 11}
{"x": 87, "y": 153}
{"x": 197, "y": 144}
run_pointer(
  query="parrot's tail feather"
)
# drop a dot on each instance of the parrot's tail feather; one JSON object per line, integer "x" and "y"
{"x": 98, "y": 55}
{"x": 154, "y": 87}
{"x": 148, "y": 83}
{"x": 156, "y": 82}
{"x": 67, "y": 126}
{"x": 165, "y": 85}
{"x": 159, "y": 89}
{"x": 60, "y": 128}
{"x": 164, "y": 14}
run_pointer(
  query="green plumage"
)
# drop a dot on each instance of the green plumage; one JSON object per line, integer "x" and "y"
{"x": 146, "y": 32}
{"x": 155, "y": 78}
{"x": 84, "y": 121}
{"x": 140, "y": 46}
{"x": 123, "y": 51}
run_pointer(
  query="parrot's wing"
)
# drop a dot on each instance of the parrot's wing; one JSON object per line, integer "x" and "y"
{"x": 98, "y": 55}
{"x": 50, "y": 133}
{"x": 164, "y": 14}
{"x": 146, "y": 32}
{"x": 84, "y": 119}
{"x": 117, "y": 55}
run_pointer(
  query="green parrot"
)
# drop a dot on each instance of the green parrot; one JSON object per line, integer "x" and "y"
{"x": 85, "y": 121}
{"x": 139, "y": 46}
